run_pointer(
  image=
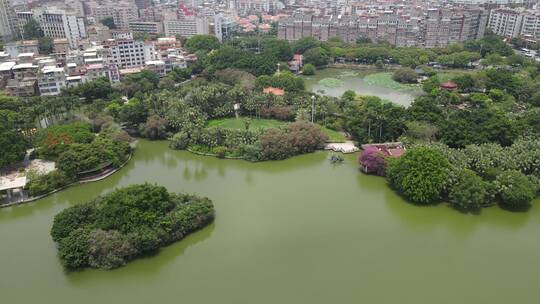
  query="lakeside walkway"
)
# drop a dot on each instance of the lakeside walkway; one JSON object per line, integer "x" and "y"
{"x": 346, "y": 147}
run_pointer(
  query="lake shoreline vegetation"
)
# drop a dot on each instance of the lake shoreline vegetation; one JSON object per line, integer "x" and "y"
{"x": 489, "y": 99}
{"x": 129, "y": 222}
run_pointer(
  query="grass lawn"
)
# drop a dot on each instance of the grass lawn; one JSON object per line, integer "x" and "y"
{"x": 449, "y": 74}
{"x": 334, "y": 136}
{"x": 261, "y": 124}
{"x": 233, "y": 123}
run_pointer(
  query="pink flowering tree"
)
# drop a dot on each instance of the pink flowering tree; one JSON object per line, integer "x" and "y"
{"x": 372, "y": 161}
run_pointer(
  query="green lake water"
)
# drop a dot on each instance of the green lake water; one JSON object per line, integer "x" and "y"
{"x": 295, "y": 231}
{"x": 354, "y": 80}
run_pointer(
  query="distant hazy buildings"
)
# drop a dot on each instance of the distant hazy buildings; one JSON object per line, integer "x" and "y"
{"x": 527, "y": 3}
{"x": 187, "y": 26}
{"x": 244, "y": 7}
{"x": 56, "y": 23}
{"x": 8, "y": 27}
{"x": 511, "y": 23}
{"x": 434, "y": 28}
{"x": 147, "y": 27}
{"x": 123, "y": 12}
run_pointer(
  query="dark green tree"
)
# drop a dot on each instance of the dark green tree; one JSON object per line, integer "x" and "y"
{"x": 420, "y": 175}
{"x": 202, "y": 43}
{"x": 32, "y": 30}
{"x": 469, "y": 192}
{"x": 108, "y": 22}
{"x": 316, "y": 56}
{"x": 45, "y": 45}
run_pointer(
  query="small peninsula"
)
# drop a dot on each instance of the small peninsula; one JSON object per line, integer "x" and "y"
{"x": 113, "y": 229}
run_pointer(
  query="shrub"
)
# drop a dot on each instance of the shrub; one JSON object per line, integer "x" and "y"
{"x": 275, "y": 145}
{"x": 405, "y": 75}
{"x": 420, "y": 174}
{"x": 220, "y": 151}
{"x": 154, "y": 128}
{"x": 278, "y": 112}
{"x": 515, "y": 189}
{"x": 251, "y": 152}
{"x": 180, "y": 141}
{"x": 83, "y": 157}
{"x": 108, "y": 249}
{"x": 306, "y": 137}
{"x": 73, "y": 249}
{"x": 469, "y": 192}
{"x": 113, "y": 229}
{"x": 43, "y": 184}
{"x": 300, "y": 137}
{"x": 309, "y": 69}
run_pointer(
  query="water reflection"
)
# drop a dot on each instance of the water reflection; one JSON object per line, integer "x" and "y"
{"x": 148, "y": 266}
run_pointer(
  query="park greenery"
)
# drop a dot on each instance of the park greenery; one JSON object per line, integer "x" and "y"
{"x": 469, "y": 178}
{"x": 115, "y": 228}
{"x": 496, "y": 106}
{"x": 77, "y": 150}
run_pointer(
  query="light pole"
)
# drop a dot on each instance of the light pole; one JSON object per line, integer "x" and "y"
{"x": 312, "y": 107}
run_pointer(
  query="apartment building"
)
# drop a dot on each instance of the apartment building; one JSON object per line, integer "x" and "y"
{"x": 6, "y": 73}
{"x": 245, "y": 7}
{"x": 56, "y": 23}
{"x": 506, "y": 22}
{"x": 51, "y": 80}
{"x": 187, "y": 26}
{"x": 128, "y": 53}
{"x": 511, "y": 23}
{"x": 122, "y": 12}
{"x": 443, "y": 27}
{"x": 434, "y": 28}
{"x": 24, "y": 82}
{"x": 148, "y": 27}
{"x": 21, "y": 47}
{"x": 8, "y": 28}
{"x": 531, "y": 25}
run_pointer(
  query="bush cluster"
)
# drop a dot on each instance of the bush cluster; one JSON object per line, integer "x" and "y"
{"x": 271, "y": 144}
{"x": 469, "y": 178}
{"x": 112, "y": 229}
{"x": 110, "y": 147}
{"x": 46, "y": 183}
{"x": 52, "y": 141}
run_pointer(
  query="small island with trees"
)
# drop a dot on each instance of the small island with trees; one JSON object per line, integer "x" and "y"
{"x": 113, "y": 229}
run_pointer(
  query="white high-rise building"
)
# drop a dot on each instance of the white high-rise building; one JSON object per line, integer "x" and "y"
{"x": 122, "y": 12}
{"x": 187, "y": 26}
{"x": 57, "y": 23}
{"x": 505, "y": 22}
{"x": 7, "y": 21}
{"x": 128, "y": 53}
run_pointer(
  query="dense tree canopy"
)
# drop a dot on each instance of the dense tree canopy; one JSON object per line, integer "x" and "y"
{"x": 405, "y": 75}
{"x": 202, "y": 43}
{"x": 420, "y": 175}
{"x": 112, "y": 229}
{"x": 108, "y": 22}
{"x": 32, "y": 30}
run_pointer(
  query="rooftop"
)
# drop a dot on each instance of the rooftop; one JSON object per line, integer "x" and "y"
{"x": 94, "y": 66}
{"x": 155, "y": 62}
{"x": 26, "y": 55}
{"x": 274, "y": 91}
{"x": 25, "y": 66}
{"x": 7, "y": 66}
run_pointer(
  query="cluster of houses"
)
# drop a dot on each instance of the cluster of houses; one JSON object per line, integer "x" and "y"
{"x": 25, "y": 73}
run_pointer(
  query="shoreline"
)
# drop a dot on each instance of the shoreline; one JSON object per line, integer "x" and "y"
{"x": 95, "y": 179}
